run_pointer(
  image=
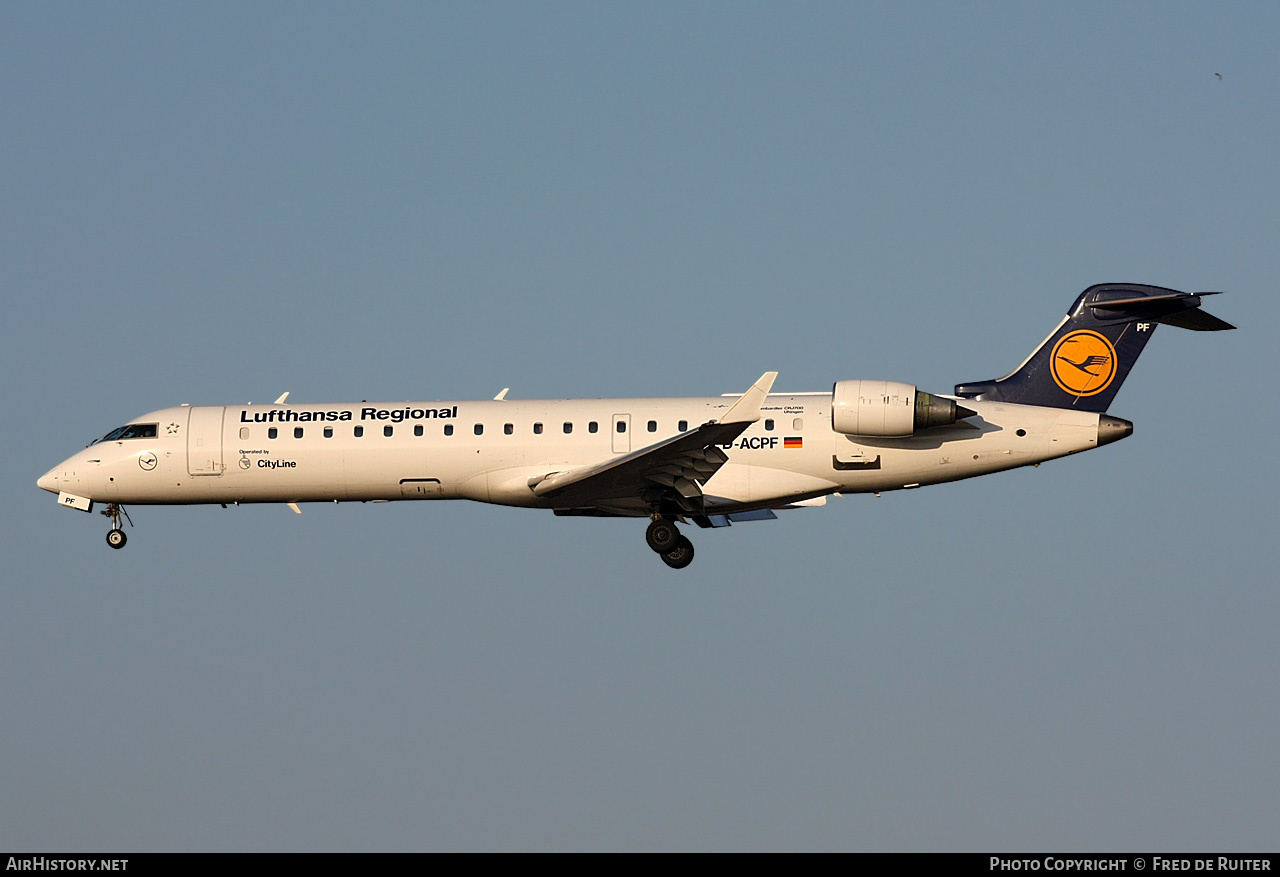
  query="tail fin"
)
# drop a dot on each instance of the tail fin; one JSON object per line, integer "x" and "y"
{"x": 1084, "y": 361}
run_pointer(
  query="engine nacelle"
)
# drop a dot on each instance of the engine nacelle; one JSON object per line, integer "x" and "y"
{"x": 888, "y": 408}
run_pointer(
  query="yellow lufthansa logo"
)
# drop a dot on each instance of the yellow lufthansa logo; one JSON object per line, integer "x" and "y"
{"x": 1083, "y": 363}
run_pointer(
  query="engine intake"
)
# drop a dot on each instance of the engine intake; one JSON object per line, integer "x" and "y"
{"x": 889, "y": 408}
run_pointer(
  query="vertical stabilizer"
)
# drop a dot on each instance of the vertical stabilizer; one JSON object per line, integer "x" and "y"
{"x": 1084, "y": 361}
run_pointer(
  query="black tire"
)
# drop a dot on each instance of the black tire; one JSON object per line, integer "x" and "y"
{"x": 662, "y": 536}
{"x": 680, "y": 556}
{"x": 116, "y": 538}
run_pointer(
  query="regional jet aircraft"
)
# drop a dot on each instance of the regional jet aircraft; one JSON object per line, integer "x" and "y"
{"x": 710, "y": 461}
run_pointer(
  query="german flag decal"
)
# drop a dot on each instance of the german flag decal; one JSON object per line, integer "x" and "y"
{"x": 793, "y": 441}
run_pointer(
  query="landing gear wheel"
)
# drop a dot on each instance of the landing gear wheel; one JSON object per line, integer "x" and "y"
{"x": 116, "y": 512}
{"x": 662, "y": 536}
{"x": 680, "y": 556}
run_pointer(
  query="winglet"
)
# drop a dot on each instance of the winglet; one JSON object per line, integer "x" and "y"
{"x": 283, "y": 396}
{"x": 747, "y": 408}
{"x": 501, "y": 396}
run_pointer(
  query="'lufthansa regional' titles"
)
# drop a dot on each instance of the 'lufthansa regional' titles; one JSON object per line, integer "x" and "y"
{"x": 395, "y": 415}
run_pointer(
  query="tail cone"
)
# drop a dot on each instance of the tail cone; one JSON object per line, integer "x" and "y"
{"x": 1112, "y": 429}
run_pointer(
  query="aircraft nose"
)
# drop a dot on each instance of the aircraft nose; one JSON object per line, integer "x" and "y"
{"x": 49, "y": 481}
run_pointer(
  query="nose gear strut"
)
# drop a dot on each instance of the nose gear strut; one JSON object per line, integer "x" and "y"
{"x": 116, "y": 537}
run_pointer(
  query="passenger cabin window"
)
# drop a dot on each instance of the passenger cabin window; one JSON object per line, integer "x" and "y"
{"x": 448, "y": 429}
{"x": 683, "y": 425}
{"x": 593, "y": 427}
{"x": 328, "y": 432}
{"x": 358, "y": 432}
{"x": 297, "y": 432}
{"x": 272, "y": 432}
{"x": 537, "y": 429}
{"x": 244, "y": 432}
{"x": 508, "y": 428}
{"x": 388, "y": 430}
{"x": 568, "y": 428}
{"x": 479, "y": 429}
{"x": 653, "y": 426}
{"x": 417, "y": 429}
{"x": 798, "y": 423}
{"x": 768, "y": 426}
{"x": 622, "y": 426}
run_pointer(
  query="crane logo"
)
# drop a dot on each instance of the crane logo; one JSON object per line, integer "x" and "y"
{"x": 1083, "y": 363}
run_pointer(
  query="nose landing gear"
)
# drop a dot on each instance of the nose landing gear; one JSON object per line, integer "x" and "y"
{"x": 665, "y": 539}
{"x": 116, "y": 537}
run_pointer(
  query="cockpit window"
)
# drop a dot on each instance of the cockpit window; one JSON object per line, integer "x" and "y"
{"x": 132, "y": 431}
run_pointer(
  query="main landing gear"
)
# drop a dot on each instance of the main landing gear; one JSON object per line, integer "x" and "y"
{"x": 664, "y": 538}
{"x": 116, "y": 537}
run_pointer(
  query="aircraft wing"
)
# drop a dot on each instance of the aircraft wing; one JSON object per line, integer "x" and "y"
{"x": 674, "y": 468}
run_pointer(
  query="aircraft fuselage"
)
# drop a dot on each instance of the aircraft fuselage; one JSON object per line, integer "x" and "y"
{"x": 490, "y": 450}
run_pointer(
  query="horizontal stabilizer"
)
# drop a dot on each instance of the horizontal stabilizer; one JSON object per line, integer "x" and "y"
{"x": 1146, "y": 301}
{"x": 1179, "y": 309}
{"x": 1200, "y": 321}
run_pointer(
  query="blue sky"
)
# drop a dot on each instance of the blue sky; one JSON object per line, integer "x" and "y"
{"x": 215, "y": 204}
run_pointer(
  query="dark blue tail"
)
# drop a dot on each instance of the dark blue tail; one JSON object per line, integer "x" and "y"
{"x": 1084, "y": 361}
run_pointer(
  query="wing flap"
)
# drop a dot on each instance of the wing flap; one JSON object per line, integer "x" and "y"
{"x": 722, "y": 520}
{"x": 667, "y": 463}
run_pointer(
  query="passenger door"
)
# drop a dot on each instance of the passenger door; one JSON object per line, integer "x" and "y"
{"x": 204, "y": 440}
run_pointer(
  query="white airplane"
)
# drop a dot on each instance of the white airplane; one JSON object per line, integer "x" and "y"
{"x": 712, "y": 461}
